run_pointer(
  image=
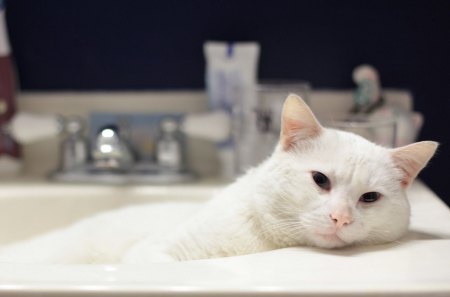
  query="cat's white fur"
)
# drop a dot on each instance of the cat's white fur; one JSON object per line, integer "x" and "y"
{"x": 274, "y": 205}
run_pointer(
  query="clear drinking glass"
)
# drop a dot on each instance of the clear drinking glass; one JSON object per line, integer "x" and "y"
{"x": 272, "y": 93}
{"x": 257, "y": 133}
{"x": 379, "y": 131}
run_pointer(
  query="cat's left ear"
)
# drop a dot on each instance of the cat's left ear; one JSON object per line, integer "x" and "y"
{"x": 297, "y": 122}
{"x": 412, "y": 158}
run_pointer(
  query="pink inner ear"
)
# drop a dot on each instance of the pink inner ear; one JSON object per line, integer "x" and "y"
{"x": 407, "y": 178}
{"x": 412, "y": 158}
{"x": 409, "y": 168}
{"x": 289, "y": 133}
{"x": 295, "y": 130}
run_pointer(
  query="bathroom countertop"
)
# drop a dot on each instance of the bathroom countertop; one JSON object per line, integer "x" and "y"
{"x": 417, "y": 265}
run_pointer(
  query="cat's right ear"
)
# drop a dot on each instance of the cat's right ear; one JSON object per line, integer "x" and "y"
{"x": 298, "y": 123}
{"x": 412, "y": 158}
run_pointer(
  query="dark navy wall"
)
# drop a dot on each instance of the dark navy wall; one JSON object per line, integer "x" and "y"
{"x": 143, "y": 44}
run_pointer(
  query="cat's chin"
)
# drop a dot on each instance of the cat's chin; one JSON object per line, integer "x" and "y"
{"x": 328, "y": 241}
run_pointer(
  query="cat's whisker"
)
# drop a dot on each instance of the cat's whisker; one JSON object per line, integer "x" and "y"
{"x": 288, "y": 228}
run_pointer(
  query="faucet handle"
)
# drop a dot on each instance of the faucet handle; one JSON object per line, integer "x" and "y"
{"x": 74, "y": 125}
{"x": 169, "y": 154}
{"x": 73, "y": 153}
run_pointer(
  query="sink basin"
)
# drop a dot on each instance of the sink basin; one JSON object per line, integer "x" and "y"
{"x": 30, "y": 208}
{"x": 417, "y": 265}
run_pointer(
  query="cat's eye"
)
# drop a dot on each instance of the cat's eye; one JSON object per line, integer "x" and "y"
{"x": 370, "y": 197}
{"x": 321, "y": 180}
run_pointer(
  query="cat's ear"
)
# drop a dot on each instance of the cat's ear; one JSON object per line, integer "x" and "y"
{"x": 412, "y": 158}
{"x": 297, "y": 122}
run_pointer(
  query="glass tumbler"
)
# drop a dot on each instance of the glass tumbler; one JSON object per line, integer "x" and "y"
{"x": 378, "y": 131}
{"x": 257, "y": 132}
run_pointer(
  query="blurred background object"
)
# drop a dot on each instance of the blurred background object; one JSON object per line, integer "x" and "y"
{"x": 231, "y": 75}
{"x": 259, "y": 134}
{"x": 10, "y": 151}
{"x": 157, "y": 45}
{"x": 372, "y": 116}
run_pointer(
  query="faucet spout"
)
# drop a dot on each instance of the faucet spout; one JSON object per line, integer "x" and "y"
{"x": 111, "y": 152}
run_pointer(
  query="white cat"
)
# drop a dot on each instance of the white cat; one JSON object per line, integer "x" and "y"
{"x": 321, "y": 187}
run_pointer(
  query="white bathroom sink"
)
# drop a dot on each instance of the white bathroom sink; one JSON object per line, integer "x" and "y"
{"x": 417, "y": 265}
{"x": 32, "y": 207}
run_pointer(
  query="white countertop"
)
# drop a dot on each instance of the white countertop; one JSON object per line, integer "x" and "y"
{"x": 417, "y": 265}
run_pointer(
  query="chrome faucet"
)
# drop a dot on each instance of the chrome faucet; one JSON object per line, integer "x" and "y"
{"x": 110, "y": 151}
{"x": 136, "y": 150}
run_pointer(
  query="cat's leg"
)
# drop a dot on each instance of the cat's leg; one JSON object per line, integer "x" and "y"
{"x": 62, "y": 247}
{"x": 103, "y": 238}
{"x": 81, "y": 243}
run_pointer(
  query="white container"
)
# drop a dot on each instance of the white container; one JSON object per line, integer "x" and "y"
{"x": 231, "y": 83}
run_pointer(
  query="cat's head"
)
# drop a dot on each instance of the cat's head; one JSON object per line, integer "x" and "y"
{"x": 330, "y": 188}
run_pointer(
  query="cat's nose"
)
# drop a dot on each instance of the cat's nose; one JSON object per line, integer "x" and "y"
{"x": 341, "y": 219}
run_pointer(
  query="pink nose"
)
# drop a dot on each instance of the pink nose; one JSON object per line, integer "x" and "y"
{"x": 341, "y": 219}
